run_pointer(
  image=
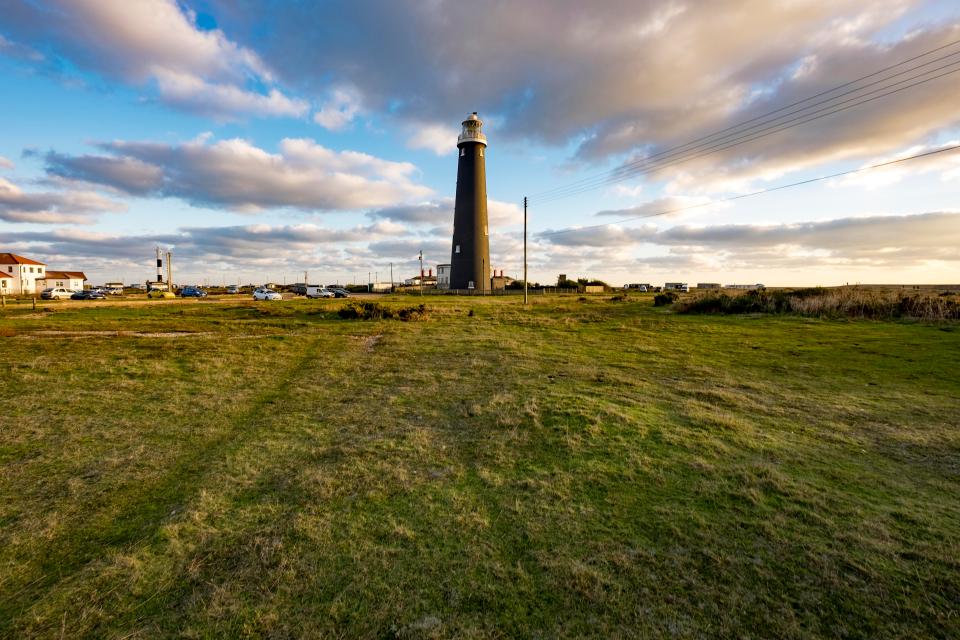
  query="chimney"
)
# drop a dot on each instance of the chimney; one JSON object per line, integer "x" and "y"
{"x": 430, "y": 272}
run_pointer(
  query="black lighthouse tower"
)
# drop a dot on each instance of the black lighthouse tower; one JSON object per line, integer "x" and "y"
{"x": 470, "y": 256}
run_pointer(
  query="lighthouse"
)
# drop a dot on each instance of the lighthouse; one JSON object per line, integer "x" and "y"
{"x": 470, "y": 254}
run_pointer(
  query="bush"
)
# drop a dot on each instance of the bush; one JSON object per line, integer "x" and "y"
{"x": 849, "y": 303}
{"x": 664, "y": 299}
{"x": 375, "y": 311}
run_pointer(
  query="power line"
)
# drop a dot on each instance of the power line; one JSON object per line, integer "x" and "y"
{"x": 629, "y": 169}
{"x": 762, "y": 133}
{"x": 756, "y": 193}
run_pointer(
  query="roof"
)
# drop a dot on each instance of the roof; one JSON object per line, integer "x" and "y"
{"x": 4, "y": 275}
{"x": 12, "y": 258}
{"x": 66, "y": 275}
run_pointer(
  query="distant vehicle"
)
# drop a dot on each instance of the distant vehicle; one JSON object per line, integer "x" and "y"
{"x": 55, "y": 293}
{"x": 266, "y": 294}
{"x": 318, "y": 291}
{"x": 642, "y": 288}
{"x": 89, "y": 294}
{"x": 340, "y": 293}
{"x": 113, "y": 291}
{"x": 192, "y": 292}
{"x": 677, "y": 286}
{"x": 298, "y": 289}
{"x": 233, "y": 289}
{"x": 158, "y": 294}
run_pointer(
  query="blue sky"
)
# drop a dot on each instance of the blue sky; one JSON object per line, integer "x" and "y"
{"x": 259, "y": 139}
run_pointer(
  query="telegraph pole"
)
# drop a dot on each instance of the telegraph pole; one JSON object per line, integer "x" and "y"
{"x": 391, "y": 277}
{"x": 524, "y": 250}
{"x": 421, "y": 272}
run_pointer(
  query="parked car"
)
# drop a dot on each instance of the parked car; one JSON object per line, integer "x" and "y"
{"x": 232, "y": 289}
{"x": 89, "y": 294}
{"x": 266, "y": 294}
{"x": 340, "y": 293}
{"x": 113, "y": 291}
{"x": 192, "y": 292}
{"x": 158, "y": 294}
{"x": 318, "y": 291}
{"x": 55, "y": 293}
{"x": 298, "y": 289}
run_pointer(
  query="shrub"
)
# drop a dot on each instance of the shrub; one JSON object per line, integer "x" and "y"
{"x": 849, "y": 303}
{"x": 366, "y": 310}
{"x": 620, "y": 297}
{"x": 665, "y": 298}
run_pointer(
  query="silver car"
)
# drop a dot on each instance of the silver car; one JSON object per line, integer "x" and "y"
{"x": 56, "y": 293}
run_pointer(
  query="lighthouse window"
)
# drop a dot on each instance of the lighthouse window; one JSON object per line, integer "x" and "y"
{"x": 457, "y": 250}
{"x": 485, "y": 230}
{"x": 463, "y": 152}
{"x": 481, "y": 153}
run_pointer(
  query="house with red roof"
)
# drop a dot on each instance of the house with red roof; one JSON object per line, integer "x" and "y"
{"x": 21, "y": 274}
{"x": 24, "y": 276}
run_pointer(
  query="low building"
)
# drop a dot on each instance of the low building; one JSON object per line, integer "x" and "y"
{"x": 72, "y": 280}
{"x": 676, "y": 286}
{"x": 708, "y": 285}
{"x": 594, "y": 288}
{"x": 429, "y": 280}
{"x": 640, "y": 286}
{"x": 23, "y": 274}
{"x": 6, "y": 284}
{"x": 746, "y": 287}
{"x": 443, "y": 276}
{"x": 498, "y": 281}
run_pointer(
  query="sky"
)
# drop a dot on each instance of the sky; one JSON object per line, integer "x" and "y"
{"x": 258, "y": 139}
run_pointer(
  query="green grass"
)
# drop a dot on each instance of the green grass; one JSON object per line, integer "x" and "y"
{"x": 579, "y": 469}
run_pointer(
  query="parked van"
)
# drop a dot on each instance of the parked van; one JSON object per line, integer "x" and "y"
{"x": 318, "y": 291}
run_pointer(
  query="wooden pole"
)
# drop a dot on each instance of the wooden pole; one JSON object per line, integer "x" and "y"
{"x": 524, "y": 249}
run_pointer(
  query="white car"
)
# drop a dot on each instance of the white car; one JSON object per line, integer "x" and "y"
{"x": 56, "y": 293}
{"x": 266, "y": 294}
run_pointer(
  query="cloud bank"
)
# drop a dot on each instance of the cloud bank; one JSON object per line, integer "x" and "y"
{"x": 234, "y": 174}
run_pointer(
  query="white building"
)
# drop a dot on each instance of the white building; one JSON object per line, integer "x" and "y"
{"x": 443, "y": 276}
{"x": 72, "y": 280}
{"x": 22, "y": 274}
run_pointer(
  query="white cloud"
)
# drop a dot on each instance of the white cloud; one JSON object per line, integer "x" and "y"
{"x": 71, "y": 206}
{"x": 237, "y": 175}
{"x": 339, "y": 110}
{"x": 439, "y": 138}
{"x": 155, "y": 41}
{"x": 5, "y": 163}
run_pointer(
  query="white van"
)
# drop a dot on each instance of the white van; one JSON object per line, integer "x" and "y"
{"x": 318, "y": 291}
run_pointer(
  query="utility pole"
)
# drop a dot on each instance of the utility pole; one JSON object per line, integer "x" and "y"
{"x": 368, "y": 282}
{"x": 391, "y": 277}
{"x": 306, "y": 280}
{"x": 170, "y": 271}
{"x": 421, "y": 272}
{"x": 524, "y": 250}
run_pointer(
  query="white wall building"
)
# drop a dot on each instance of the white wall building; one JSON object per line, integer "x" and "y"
{"x": 23, "y": 272}
{"x": 443, "y": 276}
{"x": 72, "y": 280}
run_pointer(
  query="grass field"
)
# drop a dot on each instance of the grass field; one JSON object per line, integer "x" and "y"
{"x": 579, "y": 469}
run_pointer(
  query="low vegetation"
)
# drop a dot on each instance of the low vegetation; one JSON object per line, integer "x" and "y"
{"x": 367, "y": 310}
{"x": 565, "y": 470}
{"x": 841, "y": 302}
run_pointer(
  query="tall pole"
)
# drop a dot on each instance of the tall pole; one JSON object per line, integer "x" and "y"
{"x": 421, "y": 272}
{"x": 524, "y": 249}
{"x": 169, "y": 271}
{"x": 368, "y": 282}
{"x": 391, "y": 277}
